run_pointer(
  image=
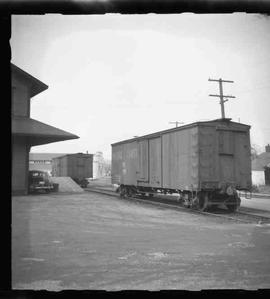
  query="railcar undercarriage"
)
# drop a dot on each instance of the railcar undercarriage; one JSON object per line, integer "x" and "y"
{"x": 201, "y": 200}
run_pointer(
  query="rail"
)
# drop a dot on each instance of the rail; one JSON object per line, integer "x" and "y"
{"x": 221, "y": 213}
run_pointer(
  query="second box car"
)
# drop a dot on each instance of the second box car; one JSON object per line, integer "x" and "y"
{"x": 205, "y": 162}
{"x": 77, "y": 166}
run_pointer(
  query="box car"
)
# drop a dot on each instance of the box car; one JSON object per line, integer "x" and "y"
{"x": 77, "y": 166}
{"x": 205, "y": 162}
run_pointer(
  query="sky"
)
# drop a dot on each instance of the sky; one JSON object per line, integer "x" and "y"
{"x": 112, "y": 77}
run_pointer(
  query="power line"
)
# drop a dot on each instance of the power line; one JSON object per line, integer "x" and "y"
{"x": 253, "y": 89}
{"x": 221, "y": 96}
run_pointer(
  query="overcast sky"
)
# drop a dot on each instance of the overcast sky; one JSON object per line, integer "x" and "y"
{"x": 113, "y": 76}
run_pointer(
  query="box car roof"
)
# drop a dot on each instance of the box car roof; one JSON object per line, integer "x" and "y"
{"x": 156, "y": 134}
{"x": 73, "y": 155}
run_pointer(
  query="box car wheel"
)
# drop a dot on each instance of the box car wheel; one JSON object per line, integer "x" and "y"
{"x": 235, "y": 204}
{"x": 203, "y": 202}
{"x": 130, "y": 192}
{"x": 123, "y": 191}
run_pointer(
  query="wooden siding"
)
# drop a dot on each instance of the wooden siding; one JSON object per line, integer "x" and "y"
{"x": 208, "y": 159}
{"x": 225, "y": 155}
{"x": 180, "y": 159}
{"x": 243, "y": 159}
{"x": 20, "y": 99}
{"x": 143, "y": 171}
{"x": 155, "y": 162}
{"x": 74, "y": 166}
{"x": 117, "y": 162}
{"x": 130, "y": 163}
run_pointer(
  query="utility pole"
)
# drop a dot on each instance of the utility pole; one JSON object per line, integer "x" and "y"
{"x": 221, "y": 96}
{"x": 176, "y": 123}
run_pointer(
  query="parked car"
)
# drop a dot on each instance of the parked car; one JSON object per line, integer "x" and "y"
{"x": 39, "y": 180}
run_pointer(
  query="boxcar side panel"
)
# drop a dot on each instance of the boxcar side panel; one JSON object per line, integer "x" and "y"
{"x": 71, "y": 170}
{"x": 243, "y": 160}
{"x": 227, "y": 169}
{"x": 130, "y": 163}
{"x": 143, "y": 155}
{"x": 80, "y": 166}
{"x": 125, "y": 163}
{"x": 60, "y": 166}
{"x": 117, "y": 163}
{"x": 155, "y": 161}
{"x": 226, "y": 154}
{"x": 208, "y": 160}
{"x": 70, "y": 166}
{"x": 180, "y": 159}
{"x": 64, "y": 166}
{"x": 76, "y": 166}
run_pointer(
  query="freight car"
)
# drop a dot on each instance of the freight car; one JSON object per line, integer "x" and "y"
{"x": 77, "y": 166}
{"x": 204, "y": 162}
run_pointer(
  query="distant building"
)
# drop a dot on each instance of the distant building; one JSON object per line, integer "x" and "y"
{"x": 99, "y": 169}
{"x": 27, "y": 132}
{"x": 42, "y": 161}
{"x": 259, "y": 168}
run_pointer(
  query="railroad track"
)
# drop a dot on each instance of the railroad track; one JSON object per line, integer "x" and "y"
{"x": 168, "y": 203}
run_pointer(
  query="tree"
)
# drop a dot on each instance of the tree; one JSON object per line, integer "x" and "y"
{"x": 255, "y": 151}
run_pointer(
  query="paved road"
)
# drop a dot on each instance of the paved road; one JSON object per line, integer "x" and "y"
{"x": 92, "y": 241}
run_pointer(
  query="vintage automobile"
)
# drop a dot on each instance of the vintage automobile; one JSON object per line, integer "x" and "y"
{"x": 39, "y": 181}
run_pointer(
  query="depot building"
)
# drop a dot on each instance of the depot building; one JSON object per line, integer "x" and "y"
{"x": 27, "y": 132}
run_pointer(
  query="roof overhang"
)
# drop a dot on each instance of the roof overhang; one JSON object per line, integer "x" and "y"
{"x": 36, "y": 86}
{"x": 38, "y": 133}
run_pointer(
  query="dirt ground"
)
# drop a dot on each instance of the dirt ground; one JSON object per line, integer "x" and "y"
{"x": 93, "y": 241}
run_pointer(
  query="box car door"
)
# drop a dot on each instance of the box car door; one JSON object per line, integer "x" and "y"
{"x": 142, "y": 173}
{"x": 155, "y": 162}
{"x": 130, "y": 163}
{"x": 226, "y": 156}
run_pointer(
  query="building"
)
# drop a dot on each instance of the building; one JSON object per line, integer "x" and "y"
{"x": 259, "y": 167}
{"x": 99, "y": 165}
{"x": 42, "y": 161}
{"x": 27, "y": 132}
